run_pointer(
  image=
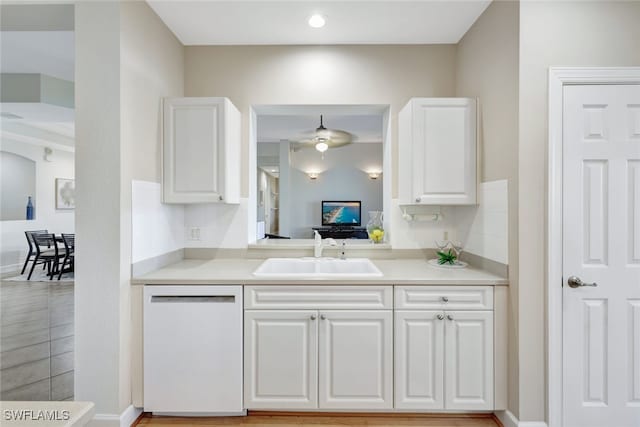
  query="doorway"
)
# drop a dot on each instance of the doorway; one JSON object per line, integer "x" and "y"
{"x": 37, "y": 188}
{"x": 594, "y": 247}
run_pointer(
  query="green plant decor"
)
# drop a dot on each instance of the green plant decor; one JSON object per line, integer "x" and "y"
{"x": 446, "y": 258}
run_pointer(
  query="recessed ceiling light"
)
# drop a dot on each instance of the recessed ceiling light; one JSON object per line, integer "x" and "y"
{"x": 317, "y": 21}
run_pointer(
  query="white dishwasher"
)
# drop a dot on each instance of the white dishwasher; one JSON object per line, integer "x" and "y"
{"x": 193, "y": 349}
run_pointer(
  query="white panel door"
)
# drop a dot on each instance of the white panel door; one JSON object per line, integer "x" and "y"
{"x": 280, "y": 362}
{"x": 468, "y": 366}
{"x": 356, "y": 360}
{"x": 444, "y": 151}
{"x": 419, "y": 363}
{"x": 601, "y": 247}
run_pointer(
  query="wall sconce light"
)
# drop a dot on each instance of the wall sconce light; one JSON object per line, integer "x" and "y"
{"x": 312, "y": 175}
{"x": 374, "y": 175}
{"x": 47, "y": 152}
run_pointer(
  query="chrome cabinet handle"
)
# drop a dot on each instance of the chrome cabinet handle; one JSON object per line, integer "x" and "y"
{"x": 449, "y": 317}
{"x": 313, "y": 317}
{"x": 445, "y": 299}
{"x": 440, "y": 316}
{"x": 323, "y": 317}
{"x": 576, "y": 282}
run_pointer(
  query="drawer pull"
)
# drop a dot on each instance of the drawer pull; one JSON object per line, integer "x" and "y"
{"x": 445, "y": 299}
{"x": 193, "y": 298}
{"x": 450, "y": 317}
{"x": 440, "y": 316}
{"x": 313, "y": 317}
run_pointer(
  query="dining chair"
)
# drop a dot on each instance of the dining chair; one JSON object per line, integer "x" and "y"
{"x": 32, "y": 250}
{"x": 69, "y": 241}
{"x": 47, "y": 253}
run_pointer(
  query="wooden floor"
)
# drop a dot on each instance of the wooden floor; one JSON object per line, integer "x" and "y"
{"x": 350, "y": 420}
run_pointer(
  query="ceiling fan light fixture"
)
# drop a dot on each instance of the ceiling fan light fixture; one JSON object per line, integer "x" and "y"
{"x": 322, "y": 146}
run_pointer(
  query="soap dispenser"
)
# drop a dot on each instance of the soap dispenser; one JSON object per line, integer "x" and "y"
{"x": 317, "y": 244}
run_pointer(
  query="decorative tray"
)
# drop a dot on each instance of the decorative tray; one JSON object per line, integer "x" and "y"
{"x": 457, "y": 265}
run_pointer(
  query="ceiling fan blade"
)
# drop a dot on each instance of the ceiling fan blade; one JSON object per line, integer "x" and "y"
{"x": 332, "y": 137}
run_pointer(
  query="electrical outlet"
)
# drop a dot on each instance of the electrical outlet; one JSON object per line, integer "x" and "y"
{"x": 194, "y": 233}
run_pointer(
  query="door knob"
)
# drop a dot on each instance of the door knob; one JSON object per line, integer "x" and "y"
{"x": 440, "y": 316}
{"x": 313, "y": 317}
{"x": 449, "y": 317}
{"x": 323, "y": 317}
{"x": 445, "y": 299}
{"x": 576, "y": 282}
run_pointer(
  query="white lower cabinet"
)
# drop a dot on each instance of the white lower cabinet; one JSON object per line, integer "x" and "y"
{"x": 419, "y": 360}
{"x": 444, "y": 360}
{"x": 468, "y": 367}
{"x": 356, "y": 360}
{"x": 281, "y": 359}
{"x": 335, "y": 356}
{"x": 321, "y": 349}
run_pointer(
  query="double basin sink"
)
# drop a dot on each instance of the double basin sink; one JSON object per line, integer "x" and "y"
{"x": 317, "y": 267}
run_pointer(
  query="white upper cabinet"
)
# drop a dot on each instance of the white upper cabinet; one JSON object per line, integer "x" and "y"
{"x": 201, "y": 151}
{"x": 437, "y": 151}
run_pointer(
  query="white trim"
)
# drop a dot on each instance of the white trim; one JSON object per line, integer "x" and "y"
{"x": 558, "y": 78}
{"x": 125, "y": 419}
{"x": 509, "y": 420}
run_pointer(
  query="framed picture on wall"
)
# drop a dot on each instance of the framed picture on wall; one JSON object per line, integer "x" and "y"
{"x": 65, "y": 193}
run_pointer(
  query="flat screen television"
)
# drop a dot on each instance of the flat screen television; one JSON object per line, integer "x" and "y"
{"x": 341, "y": 213}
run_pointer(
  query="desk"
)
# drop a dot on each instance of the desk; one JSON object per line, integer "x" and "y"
{"x": 342, "y": 232}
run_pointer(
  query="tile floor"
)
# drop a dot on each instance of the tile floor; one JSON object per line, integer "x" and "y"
{"x": 36, "y": 340}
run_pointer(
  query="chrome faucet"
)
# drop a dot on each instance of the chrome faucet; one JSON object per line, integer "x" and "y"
{"x": 318, "y": 246}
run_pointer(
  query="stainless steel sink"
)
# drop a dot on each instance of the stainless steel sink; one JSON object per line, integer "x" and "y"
{"x": 317, "y": 267}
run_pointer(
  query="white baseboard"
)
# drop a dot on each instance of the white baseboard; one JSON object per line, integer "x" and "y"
{"x": 125, "y": 419}
{"x": 509, "y": 420}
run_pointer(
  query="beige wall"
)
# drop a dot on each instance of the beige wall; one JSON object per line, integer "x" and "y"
{"x": 487, "y": 68}
{"x": 251, "y": 75}
{"x": 604, "y": 33}
{"x": 152, "y": 67}
{"x": 126, "y": 61}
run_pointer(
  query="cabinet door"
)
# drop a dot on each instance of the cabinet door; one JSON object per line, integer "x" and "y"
{"x": 469, "y": 360}
{"x": 356, "y": 360}
{"x": 444, "y": 151}
{"x": 419, "y": 364}
{"x": 280, "y": 363}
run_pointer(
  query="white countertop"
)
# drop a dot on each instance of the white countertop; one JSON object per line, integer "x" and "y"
{"x": 240, "y": 272}
{"x": 58, "y": 414}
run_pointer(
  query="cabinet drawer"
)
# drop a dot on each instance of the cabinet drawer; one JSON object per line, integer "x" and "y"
{"x": 318, "y": 297}
{"x": 444, "y": 297}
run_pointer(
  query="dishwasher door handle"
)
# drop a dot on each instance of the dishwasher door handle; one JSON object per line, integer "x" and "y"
{"x": 193, "y": 298}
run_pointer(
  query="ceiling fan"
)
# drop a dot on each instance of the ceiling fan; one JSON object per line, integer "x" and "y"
{"x": 322, "y": 138}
